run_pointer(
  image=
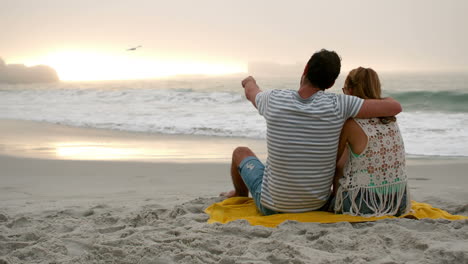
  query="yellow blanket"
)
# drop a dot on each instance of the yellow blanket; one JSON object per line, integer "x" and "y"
{"x": 244, "y": 208}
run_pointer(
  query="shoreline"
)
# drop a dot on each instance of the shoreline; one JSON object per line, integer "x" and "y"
{"x": 44, "y": 140}
{"x": 29, "y": 148}
{"x": 34, "y": 139}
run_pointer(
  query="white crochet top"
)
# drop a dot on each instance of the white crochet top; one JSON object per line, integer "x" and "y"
{"x": 376, "y": 177}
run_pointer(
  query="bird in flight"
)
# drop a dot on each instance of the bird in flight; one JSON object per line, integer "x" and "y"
{"x": 134, "y": 48}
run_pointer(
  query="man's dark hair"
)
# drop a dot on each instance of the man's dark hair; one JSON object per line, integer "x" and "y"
{"x": 323, "y": 68}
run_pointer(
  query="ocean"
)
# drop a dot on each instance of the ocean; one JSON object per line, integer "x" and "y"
{"x": 434, "y": 121}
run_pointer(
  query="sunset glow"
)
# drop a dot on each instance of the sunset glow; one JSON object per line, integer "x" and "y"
{"x": 95, "y": 152}
{"x": 89, "y": 66}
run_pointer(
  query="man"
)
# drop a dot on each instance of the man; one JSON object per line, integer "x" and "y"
{"x": 303, "y": 129}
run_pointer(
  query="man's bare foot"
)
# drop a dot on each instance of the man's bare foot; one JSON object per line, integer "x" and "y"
{"x": 228, "y": 194}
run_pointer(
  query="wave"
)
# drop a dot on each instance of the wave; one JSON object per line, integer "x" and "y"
{"x": 440, "y": 101}
{"x": 434, "y": 122}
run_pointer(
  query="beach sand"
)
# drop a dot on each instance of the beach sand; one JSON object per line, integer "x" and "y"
{"x": 75, "y": 195}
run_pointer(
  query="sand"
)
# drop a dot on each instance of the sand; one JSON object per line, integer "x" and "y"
{"x": 146, "y": 206}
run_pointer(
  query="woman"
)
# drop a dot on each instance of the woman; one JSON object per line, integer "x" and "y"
{"x": 371, "y": 172}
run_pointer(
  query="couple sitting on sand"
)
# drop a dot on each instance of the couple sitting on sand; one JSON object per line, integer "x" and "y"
{"x": 341, "y": 152}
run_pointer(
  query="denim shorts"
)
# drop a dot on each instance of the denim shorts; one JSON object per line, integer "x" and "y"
{"x": 365, "y": 210}
{"x": 251, "y": 170}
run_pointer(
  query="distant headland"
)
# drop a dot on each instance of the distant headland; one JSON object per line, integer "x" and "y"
{"x": 19, "y": 73}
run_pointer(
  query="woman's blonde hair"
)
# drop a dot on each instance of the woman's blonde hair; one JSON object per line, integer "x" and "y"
{"x": 365, "y": 84}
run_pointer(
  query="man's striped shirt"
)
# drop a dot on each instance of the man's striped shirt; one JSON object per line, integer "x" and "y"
{"x": 302, "y": 141}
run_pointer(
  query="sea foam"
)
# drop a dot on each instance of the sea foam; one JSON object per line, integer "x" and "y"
{"x": 434, "y": 122}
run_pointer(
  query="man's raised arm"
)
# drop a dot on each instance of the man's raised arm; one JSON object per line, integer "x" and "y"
{"x": 251, "y": 89}
{"x": 379, "y": 108}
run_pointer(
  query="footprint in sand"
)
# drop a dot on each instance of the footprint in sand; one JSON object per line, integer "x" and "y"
{"x": 19, "y": 223}
{"x": 77, "y": 213}
{"x": 111, "y": 229}
{"x": 3, "y": 217}
{"x": 314, "y": 235}
{"x": 76, "y": 247}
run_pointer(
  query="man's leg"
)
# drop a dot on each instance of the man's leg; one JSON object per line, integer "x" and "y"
{"x": 240, "y": 189}
{"x": 246, "y": 163}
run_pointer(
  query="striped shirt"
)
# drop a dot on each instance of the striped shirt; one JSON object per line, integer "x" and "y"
{"x": 302, "y": 141}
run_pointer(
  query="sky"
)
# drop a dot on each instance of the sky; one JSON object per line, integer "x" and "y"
{"x": 87, "y": 40}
